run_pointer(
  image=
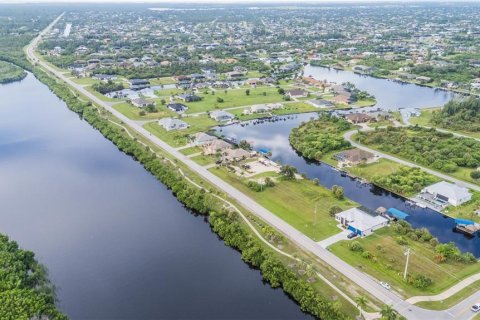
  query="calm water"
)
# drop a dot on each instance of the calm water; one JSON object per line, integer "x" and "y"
{"x": 117, "y": 244}
{"x": 274, "y": 137}
{"x": 389, "y": 94}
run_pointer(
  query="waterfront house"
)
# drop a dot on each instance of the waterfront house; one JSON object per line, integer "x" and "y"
{"x": 360, "y": 222}
{"x": 220, "y": 115}
{"x": 201, "y": 139}
{"x": 321, "y": 103}
{"x": 354, "y": 157}
{"x": 446, "y": 192}
{"x": 356, "y": 118}
{"x": 172, "y": 124}
{"x": 216, "y": 146}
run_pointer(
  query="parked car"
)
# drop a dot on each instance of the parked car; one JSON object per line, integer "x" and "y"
{"x": 352, "y": 235}
{"x": 475, "y": 307}
{"x": 385, "y": 285}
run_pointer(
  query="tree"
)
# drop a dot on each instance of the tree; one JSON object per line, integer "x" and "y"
{"x": 219, "y": 100}
{"x": 334, "y": 210}
{"x": 244, "y": 145}
{"x": 281, "y": 91}
{"x": 361, "y": 302}
{"x": 475, "y": 174}
{"x": 338, "y": 192}
{"x": 388, "y": 313}
{"x": 163, "y": 102}
{"x": 288, "y": 172}
{"x": 247, "y": 92}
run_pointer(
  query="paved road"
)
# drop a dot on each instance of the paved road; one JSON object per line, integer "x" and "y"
{"x": 348, "y": 137}
{"x": 361, "y": 279}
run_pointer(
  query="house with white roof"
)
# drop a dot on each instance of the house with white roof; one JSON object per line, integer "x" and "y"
{"x": 172, "y": 124}
{"x": 446, "y": 192}
{"x": 220, "y": 115}
{"x": 201, "y": 139}
{"x": 360, "y": 222}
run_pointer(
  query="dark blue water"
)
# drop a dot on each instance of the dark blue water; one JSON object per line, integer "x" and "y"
{"x": 117, "y": 243}
{"x": 389, "y": 94}
{"x": 274, "y": 137}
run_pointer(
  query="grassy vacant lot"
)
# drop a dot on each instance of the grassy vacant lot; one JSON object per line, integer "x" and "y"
{"x": 294, "y": 202}
{"x": 452, "y": 300}
{"x": 10, "y": 72}
{"x": 466, "y": 210}
{"x": 234, "y": 98}
{"x": 381, "y": 167}
{"x": 204, "y": 160}
{"x": 389, "y": 263}
{"x": 134, "y": 113}
{"x": 191, "y": 150}
{"x": 161, "y": 81}
{"x": 178, "y": 138}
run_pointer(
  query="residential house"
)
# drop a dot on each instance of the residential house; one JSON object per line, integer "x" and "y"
{"x": 141, "y": 103}
{"x": 138, "y": 84}
{"x": 216, "y": 146}
{"x": 201, "y": 139}
{"x": 189, "y": 97}
{"x": 236, "y": 155}
{"x": 360, "y": 222}
{"x": 177, "y": 107}
{"x": 354, "y": 157}
{"x": 172, "y": 124}
{"x": 446, "y": 192}
{"x": 296, "y": 93}
{"x": 321, "y": 103}
{"x": 220, "y": 115}
{"x": 356, "y": 118}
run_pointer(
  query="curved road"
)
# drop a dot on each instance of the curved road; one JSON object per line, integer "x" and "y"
{"x": 460, "y": 311}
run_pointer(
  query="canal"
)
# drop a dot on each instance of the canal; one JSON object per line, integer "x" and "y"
{"x": 389, "y": 94}
{"x": 273, "y": 136}
{"x": 117, "y": 243}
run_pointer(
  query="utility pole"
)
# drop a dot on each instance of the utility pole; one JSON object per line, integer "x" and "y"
{"x": 407, "y": 253}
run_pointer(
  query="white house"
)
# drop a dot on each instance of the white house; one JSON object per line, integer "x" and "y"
{"x": 448, "y": 193}
{"x": 172, "y": 124}
{"x": 360, "y": 222}
{"x": 220, "y": 115}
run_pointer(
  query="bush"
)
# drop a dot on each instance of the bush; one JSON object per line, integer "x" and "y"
{"x": 334, "y": 210}
{"x": 420, "y": 281}
{"x": 475, "y": 174}
{"x": 356, "y": 246}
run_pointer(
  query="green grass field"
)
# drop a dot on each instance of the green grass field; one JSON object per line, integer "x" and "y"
{"x": 161, "y": 81}
{"x": 234, "y": 98}
{"x": 466, "y": 210}
{"x": 178, "y": 138}
{"x": 134, "y": 113}
{"x": 294, "y": 202}
{"x": 204, "y": 160}
{"x": 452, "y": 300}
{"x": 191, "y": 150}
{"x": 381, "y": 167}
{"x": 390, "y": 262}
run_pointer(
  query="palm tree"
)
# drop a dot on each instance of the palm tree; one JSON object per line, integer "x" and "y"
{"x": 361, "y": 302}
{"x": 388, "y": 313}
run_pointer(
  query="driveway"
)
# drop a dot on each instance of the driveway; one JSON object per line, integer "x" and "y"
{"x": 335, "y": 238}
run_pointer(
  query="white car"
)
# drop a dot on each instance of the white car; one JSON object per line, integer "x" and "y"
{"x": 475, "y": 307}
{"x": 385, "y": 285}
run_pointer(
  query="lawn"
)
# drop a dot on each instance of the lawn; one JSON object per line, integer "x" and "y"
{"x": 382, "y": 167}
{"x": 161, "y": 81}
{"x": 389, "y": 263}
{"x": 288, "y": 108}
{"x": 178, "y": 138}
{"x": 84, "y": 81}
{"x": 134, "y": 113}
{"x": 234, "y": 98}
{"x": 204, "y": 160}
{"x": 294, "y": 202}
{"x": 191, "y": 150}
{"x": 452, "y": 300}
{"x": 364, "y": 103}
